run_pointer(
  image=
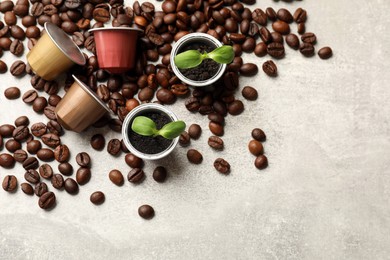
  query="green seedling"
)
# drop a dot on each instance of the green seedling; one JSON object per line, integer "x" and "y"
{"x": 145, "y": 126}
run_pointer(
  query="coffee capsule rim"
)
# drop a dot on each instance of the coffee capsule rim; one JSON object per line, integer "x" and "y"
{"x": 194, "y": 37}
{"x": 116, "y": 29}
{"x": 91, "y": 93}
{"x": 53, "y": 30}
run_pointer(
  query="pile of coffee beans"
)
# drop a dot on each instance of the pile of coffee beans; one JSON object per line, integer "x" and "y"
{"x": 230, "y": 21}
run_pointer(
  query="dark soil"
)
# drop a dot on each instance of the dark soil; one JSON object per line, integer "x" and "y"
{"x": 149, "y": 144}
{"x": 206, "y": 70}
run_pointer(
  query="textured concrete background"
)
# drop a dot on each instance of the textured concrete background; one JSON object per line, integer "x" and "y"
{"x": 325, "y": 194}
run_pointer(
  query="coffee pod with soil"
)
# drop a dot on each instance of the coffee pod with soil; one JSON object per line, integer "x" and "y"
{"x": 151, "y": 131}
{"x": 54, "y": 53}
{"x": 199, "y": 59}
{"x": 116, "y": 48}
{"x": 80, "y": 107}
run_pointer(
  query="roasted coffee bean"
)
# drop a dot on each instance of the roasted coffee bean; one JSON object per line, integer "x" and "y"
{"x": 30, "y": 163}
{"x": 78, "y": 39}
{"x": 115, "y": 125}
{"x": 17, "y": 49}
{"x": 165, "y": 96}
{"x": 271, "y": 14}
{"x": 281, "y": 27}
{"x": 47, "y": 200}
{"x": 32, "y": 176}
{"x": 65, "y": 168}
{"x": 192, "y": 104}
{"x": 20, "y": 156}
{"x": 146, "y": 94}
{"x": 38, "y": 129}
{"x": 114, "y": 147}
{"x": 83, "y": 159}
{"x": 69, "y": 27}
{"x": 3, "y": 67}
{"x": 45, "y": 154}
{"x": 237, "y": 38}
{"x": 6, "y": 160}
{"x": 215, "y": 142}
{"x": 39, "y": 104}
{"x": 5, "y": 43}
{"x": 133, "y": 161}
{"x": 10, "y": 183}
{"x": 249, "y": 93}
{"x": 49, "y": 112}
{"x": 285, "y": 15}
{"x": 136, "y": 175}
{"x": 194, "y": 156}
{"x": 12, "y": 93}
{"x": 18, "y": 68}
{"x": 261, "y": 162}
{"x": 61, "y": 153}
{"x": 265, "y": 35}
{"x": 98, "y": 142}
{"x": 249, "y": 69}
{"x": 40, "y": 189}
{"x": 194, "y": 131}
{"x": 269, "y": 67}
{"x": 54, "y": 127}
{"x": 179, "y": 90}
{"x": 307, "y": 49}
{"x": 10, "y": 18}
{"x": 277, "y": 37}
{"x": 6, "y": 6}
{"x": 292, "y": 41}
{"x": 29, "y": 96}
{"x": 325, "y": 53}
{"x": 18, "y": 33}
{"x": 169, "y": 6}
{"x": 72, "y": 4}
{"x": 261, "y": 49}
{"x": 276, "y": 50}
{"x": 236, "y": 107}
{"x": 146, "y": 211}
{"x": 249, "y": 45}
{"x": 28, "y": 21}
{"x": 216, "y": 128}
{"x": 34, "y": 146}
{"x": 301, "y": 28}
{"x": 83, "y": 175}
{"x": 20, "y": 133}
{"x": 6, "y": 130}
{"x": 160, "y": 174}
{"x": 57, "y": 181}
{"x": 116, "y": 177}
{"x": 217, "y": 118}
{"x": 184, "y": 139}
{"x": 255, "y": 147}
{"x": 22, "y": 121}
{"x": 309, "y": 38}
{"x": 259, "y": 16}
{"x": 244, "y": 26}
{"x": 300, "y": 15}
{"x": 51, "y": 140}
{"x": 258, "y": 134}
{"x": 222, "y": 166}
{"x": 46, "y": 171}
{"x": 71, "y": 186}
{"x": 114, "y": 83}
{"x": 4, "y": 31}
{"x": 97, "y": 198}
{"x": 12, "y": 145}
{"x": 27, "y": 188}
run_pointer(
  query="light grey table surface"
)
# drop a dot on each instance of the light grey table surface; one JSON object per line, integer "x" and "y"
{"x": 325, "y": 194}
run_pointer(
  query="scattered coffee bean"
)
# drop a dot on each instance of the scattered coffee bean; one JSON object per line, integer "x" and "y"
{"x": 45, "y": 155}
{"x": 47, "y": 200}
{"x": 3, "y": 67}
{"x": 255, "y": 147}
{"x": 57, "y": 181}
{"x": 12, "y": 145}
{"x": 269, "y": 67}
{"x": 249, "y": 69}
{"x": 29, "y": 96}
{"x": 276, "y": 50}
{"x": 136, "y": 175}
{"x": 293, "y": 41}
{"x": 10, "y": 183}
{"x": 12, "y": 93}
{"x": 97, "y": 198}
{"x": 114, "y": 147}
{"x": 281, "y": 27}
{"x": 98, "y": 142}
{"x": 34, "y": 146}
{"x": 40, "y": 189}
{"x": 61, "y": 153}
{"x": 307, "y": 49}
{"x": 39, "y": 104}
{"x": 30, "y": 163}
{"x": 325, "y": 53}
{"x": 116, "y": 177}
{"x": 146, "y": 211}
{"x": 27, "y": 188}
{"x": 261, "y": 162}
{"x": 300, "y": 15}
{"x": 38, "y": 129}
{"x": 184, "y": 139}
{"x": 51, "y": 140}
{"x": 216, "y": 128}
{"x": 285, "y": 15}
{"x": 215, "y": 142}
{"x": 65, "y": 168}
{"x": 309, "y": 38}
{"x": 71, "y": 186}
{"x": 249, "y": 93}
{"x": 194, "y": 131}
{"x": 133, "y": 161}
{"x": 83, "y": 175}
{"x": 32, "y": 176}
{"x": 222, "y": 166}
{"x": 46, "y": 171}
{"x": 236, "y": 107}
{"x": 194, "y": 156}
{"x": 22, "y": 121}
{"x": 20, "y": 155}
{"x": 83, "y": 159}
{"x": 160, "y": 174}
{"x": 258, "y": 134}
{"x": 18, "y": 68}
